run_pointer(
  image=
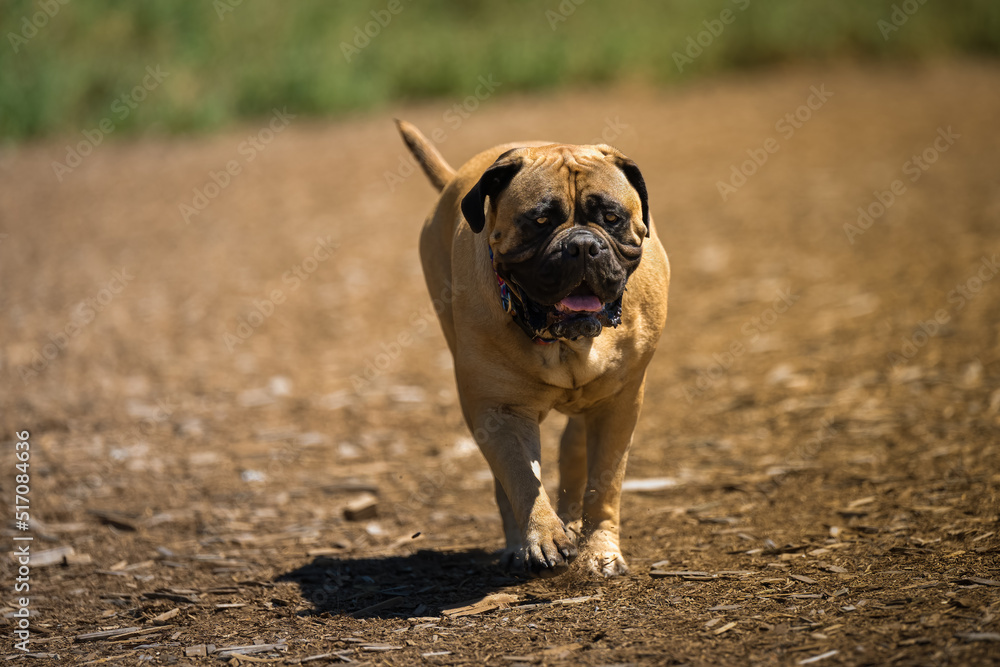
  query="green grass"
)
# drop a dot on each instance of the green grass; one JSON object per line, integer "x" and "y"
{"x": 267, "y": 54}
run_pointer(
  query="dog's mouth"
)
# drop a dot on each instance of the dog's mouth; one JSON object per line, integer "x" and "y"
{"x": 580, "y": 300}
{"x": 580, "y": 314}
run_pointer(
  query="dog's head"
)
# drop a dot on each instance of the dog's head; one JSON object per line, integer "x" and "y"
{"x": 566, "y": 225}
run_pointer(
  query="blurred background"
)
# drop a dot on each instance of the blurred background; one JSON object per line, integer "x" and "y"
{"x": 241, "y": 59}
{"x": 214, "y": 325}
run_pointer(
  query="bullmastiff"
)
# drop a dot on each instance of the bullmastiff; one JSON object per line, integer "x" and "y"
{"x": 557, "y": 289}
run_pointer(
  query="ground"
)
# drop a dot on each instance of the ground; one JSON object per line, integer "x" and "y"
{"x": 255, "y": 351}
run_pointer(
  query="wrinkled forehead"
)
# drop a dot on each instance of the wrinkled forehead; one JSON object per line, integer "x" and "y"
{"x": 571, "y": 173}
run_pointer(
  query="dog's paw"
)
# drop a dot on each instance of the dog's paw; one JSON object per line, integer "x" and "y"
{"x": 547, "y": 552}
{"x": 606, "y": 563}
{"x": 601, "y": 555}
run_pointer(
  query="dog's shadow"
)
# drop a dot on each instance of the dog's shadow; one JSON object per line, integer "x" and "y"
{"x": 420, "y": 584}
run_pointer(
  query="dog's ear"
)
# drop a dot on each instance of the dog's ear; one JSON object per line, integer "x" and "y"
{"x": 634, "y": 176}
{"x": 494, "y": 180}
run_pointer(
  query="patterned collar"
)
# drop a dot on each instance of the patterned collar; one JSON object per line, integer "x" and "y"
{"x": 534, "y": 319}
{"x": 513, "y": 301}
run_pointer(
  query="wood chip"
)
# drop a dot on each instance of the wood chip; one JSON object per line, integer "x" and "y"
{"x": 240, "y": 659}
{"x": 915, "y": 640}
{"x": 48, "y": 557}
{"x": 138, "y": 566}
{"x": 342, "y": 655}
{"x": 480, "y": 605}
{"x": 381, "y": 647}
{"x": 78, "y": 559}
{"x": 659, "y": 574}
{"x": 362, "y": 509}
{"x": 577, "y": 600}
{"x": 104, "y": 634}
{"x": 98, "y": 661}
{"x": 120, "y": 633}
{"x": 556, "y": 603}
{"x": 115, "y": 519}
{"x": 969, "y": 580}
{"x": 561, "y": 650}
{"x": 336, "y": 549}
{"x": 649, "y": 485}
{"x": 725, "y": 628}
{"x": 817, "y": 658}
{"x": 224, "y": 590}
{"x": 803, "y": 578}
{"x": 166, "y": 616}
{"x": 724, "y": 607}
{"x": 227, "y": 651}
{"x": 350, "y": 486}
{"x": 173, "y": 594}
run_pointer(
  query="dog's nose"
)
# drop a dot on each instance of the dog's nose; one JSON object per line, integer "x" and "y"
{"x": 584, "y": 245}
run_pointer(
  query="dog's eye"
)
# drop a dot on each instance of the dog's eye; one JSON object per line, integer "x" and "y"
{"x": 541, "y": 220}
{"x": 610, "y": 217}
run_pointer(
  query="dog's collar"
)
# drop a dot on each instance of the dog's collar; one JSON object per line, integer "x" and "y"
{"x": 534, "y": 320}
{"x": 513, "y": 301}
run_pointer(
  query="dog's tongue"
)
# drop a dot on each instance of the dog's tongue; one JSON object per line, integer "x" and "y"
{"x": 588, "y": 303}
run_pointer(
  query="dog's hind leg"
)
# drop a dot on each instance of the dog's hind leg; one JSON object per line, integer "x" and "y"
{"x": 572, "y": 473}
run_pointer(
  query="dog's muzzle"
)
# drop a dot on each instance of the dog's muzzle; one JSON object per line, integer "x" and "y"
{"x": 576, "y": 316}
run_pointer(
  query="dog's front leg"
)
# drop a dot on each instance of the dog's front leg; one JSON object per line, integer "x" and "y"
{"x": 511, "y": 444}
{"x": 609, "y": 436}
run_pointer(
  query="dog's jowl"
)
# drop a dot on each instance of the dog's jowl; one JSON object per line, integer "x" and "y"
{"x": 560, "y": 295}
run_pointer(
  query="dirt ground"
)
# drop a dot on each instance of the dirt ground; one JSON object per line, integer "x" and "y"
{"x": 207, "y": 393}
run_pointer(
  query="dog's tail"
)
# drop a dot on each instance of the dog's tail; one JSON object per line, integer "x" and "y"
{"x": 438, "y": 171}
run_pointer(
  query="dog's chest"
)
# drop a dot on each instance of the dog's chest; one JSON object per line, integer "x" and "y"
{"x": 578, "y": 377}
